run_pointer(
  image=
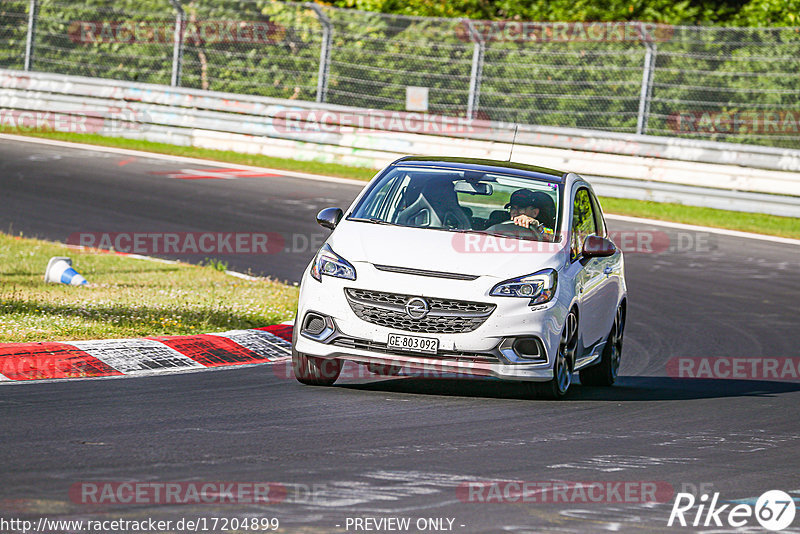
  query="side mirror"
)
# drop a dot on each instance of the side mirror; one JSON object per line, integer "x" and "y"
{"x": 595, "y": 246}
{"x": 329, "y": 217}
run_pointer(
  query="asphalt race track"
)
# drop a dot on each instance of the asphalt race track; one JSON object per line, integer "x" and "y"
{"x": 400, "y": 447}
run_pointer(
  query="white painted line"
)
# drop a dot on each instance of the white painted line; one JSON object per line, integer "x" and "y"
{"x": 245, "y": 276}
{"x": 162, "y": 260}
{"x": 123, "y": 254}
{"x": 182, "y": 159}
{"x": 708, "y": 229}
{"x": 131, "y": 356}
{"x": 361, "y": 183}
{"x": 150, "y": 258}
{"x": 188, "y": 173}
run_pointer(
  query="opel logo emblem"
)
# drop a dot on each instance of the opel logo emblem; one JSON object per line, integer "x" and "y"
{"x": 417, "y": 308}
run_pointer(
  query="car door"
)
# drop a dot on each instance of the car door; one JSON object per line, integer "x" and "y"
{"x": 588, "y": 272}
{"x": 609, "y": 284}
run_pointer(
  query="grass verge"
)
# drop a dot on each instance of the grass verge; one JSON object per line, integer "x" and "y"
{"x": 128, "y": 297}
{"x": 759, "y": 223}
{"x": 731, "y": 220}
{"x": 257, "y": 160}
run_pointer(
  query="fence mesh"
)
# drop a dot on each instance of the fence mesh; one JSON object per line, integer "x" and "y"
{"x": 105, "y": 40}
{"x": 747, "y": 74}
{"x": 374, "y": 58}
{"x": 584, "y": 85}
{"x": 729, "y": 84}
{"x": 262, "y": 48}
{"x": 13, "y": 32}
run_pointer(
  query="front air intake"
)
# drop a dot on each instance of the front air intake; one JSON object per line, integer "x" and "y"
{"x": 529, "y": 348}
{"x": 314, "y": 324}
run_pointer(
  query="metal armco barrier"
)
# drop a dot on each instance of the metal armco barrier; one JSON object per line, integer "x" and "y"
{"x": 703, "y": 173}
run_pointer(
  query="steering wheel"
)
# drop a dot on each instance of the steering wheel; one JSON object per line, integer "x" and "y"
{"x": 508, "y": 228}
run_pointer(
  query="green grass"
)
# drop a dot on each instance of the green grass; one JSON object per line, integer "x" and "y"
{"x": 127, "y": 298}
{"x": 732, "y": 220}
{"x": 760, "y": 223}
{"x": 257, "y": 160}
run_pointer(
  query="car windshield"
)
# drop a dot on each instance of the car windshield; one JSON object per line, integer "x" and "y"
{"x": 463, "y": 200}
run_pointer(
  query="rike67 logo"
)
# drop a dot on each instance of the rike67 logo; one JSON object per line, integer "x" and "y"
{"x": 774, "y": 510}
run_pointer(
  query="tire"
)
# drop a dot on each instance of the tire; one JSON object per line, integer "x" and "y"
{"x": 558, "y": 387}
{"x": 313, "y": 371}
{"x": 605, "y": 373}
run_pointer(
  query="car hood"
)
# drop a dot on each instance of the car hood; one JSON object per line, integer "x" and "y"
{"x": 439, "y": 250}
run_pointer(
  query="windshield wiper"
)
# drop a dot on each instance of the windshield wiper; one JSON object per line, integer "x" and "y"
{"x": 372, "y": 220}
{"x": 465, "y": 231}
{"x": 494, "y": 234}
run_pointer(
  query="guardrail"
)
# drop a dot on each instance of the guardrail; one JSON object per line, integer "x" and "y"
{"x": 720, "y": 175}
{"x": 733, "y": 84}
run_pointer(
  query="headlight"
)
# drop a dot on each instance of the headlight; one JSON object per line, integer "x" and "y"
{"x": 329, "y": 263}
{"x": 539, "y": 287}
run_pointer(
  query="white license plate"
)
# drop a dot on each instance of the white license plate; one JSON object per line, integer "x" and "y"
{"x": 427, "y": 345}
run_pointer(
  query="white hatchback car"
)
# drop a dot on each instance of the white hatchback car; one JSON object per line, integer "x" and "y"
{"x": 465, "y": 267}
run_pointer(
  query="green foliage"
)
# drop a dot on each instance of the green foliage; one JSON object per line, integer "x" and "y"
{"x": 579, "y": 82}
{"x": 13, "y": 31}
{"x": 690, "y": 12}
{"x": 215, "y": 264}
{"x": 769, "y": 13}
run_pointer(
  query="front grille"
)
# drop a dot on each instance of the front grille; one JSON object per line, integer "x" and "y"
{"x": 446, "y": 316}
{"x": 448, "y": 355}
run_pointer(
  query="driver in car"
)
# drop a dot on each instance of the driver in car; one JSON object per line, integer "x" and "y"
{"x": 533, "y": 210}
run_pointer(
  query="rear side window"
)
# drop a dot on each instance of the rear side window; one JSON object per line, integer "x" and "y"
{"x": 584, "y": 221}
{"x": 598, "y": 216}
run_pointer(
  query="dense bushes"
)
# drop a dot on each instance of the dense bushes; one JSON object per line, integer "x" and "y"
{"x": 577, "y": 82}
{"x": 684, "y": 12}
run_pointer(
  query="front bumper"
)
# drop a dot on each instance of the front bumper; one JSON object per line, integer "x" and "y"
{"x": 479, "y": 353}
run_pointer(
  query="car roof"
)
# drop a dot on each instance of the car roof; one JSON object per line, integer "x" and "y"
{"x": 488, "y": 165}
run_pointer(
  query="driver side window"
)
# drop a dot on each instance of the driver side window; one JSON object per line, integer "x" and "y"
{"x": 583, "y": 222}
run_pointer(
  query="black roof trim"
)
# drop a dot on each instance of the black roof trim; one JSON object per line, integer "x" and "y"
{"x": 485, "y": 164}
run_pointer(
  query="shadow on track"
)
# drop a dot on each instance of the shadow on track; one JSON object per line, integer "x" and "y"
{"x": 627, "y": 389}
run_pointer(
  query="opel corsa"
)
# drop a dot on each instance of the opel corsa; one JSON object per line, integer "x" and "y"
{"x": 466, "y": 267}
